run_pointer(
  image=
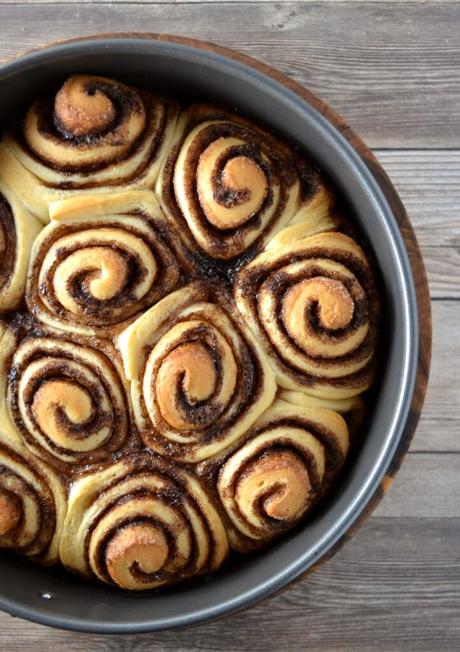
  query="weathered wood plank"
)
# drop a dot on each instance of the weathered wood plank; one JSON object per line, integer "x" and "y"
{"x": 435, "y": 433}
{"x": 427, "y": 485}
{"x": 179, "y": 2}
{"x": 429, "y": 185}
{"x": 428, "y": 182}
{"x": 442, "y": 264}
{"x": 391, "y": 70}
{"x": 443, "y": 398}
{"x": 395, "y": 587}
{"x": 439, "y": 427}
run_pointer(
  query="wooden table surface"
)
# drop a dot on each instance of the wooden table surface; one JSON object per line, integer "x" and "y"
{"x": 392, "y": 69}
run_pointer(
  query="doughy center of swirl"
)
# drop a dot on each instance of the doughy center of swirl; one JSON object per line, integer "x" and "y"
{"x": 242, "y": 189}
{"x": 107, "y": 272}
{"x": 80, "y": 112}
{"x": 138, "y": 545}
{"x": 56, "y": 395}
{"x": 279, "y": 483}
{"x": 10, "y": 512}
{"x": 191, "y": 366}
{"x": 335, "y": 307}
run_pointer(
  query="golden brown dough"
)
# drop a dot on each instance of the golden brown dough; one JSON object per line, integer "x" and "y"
{"x": 18, "y": 230}
{"x": 33, "y": 504}
{"x": 142, "y": 523}
{"x": 101, "y": 260}
{"x": 187, "y": 326}
{"x": 66, "y": 399}
{"x": 94, "y": 134}
{"x": 287, "y": 461}
{"x": 227, "y": 184}
{"x": 198, "y": 377}
{"x": 314, "y": 306}
{"x": 352, "y": 409}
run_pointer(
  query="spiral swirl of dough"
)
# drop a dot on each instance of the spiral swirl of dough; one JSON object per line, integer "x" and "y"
{"x": 186, "y": 331}
{"x": 100, "y": 262}
{"x": 67, "y": 400}
{"x": 228, "y": 184}
{"x": 198, "y": 377}
{"x": 95, "y": 133}
{"x": 314, "y": 305}
{"x": 142, "y": 523}
{"x": 287, "y": 462}
{"x": 32, "y": 504}
{"x": 18, "y": 229}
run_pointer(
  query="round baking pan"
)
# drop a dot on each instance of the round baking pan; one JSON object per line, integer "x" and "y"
{"x": 193, "y": 70}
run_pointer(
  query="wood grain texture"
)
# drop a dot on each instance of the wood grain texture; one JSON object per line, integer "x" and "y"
{"x": 179, "y": 2}
{"x": 439, "y": 428}
{"x": 428, "y": 183}
{"x": 390, "y": 70}
{"x": 426, "y": 486}
{"x": 396, "y": 588}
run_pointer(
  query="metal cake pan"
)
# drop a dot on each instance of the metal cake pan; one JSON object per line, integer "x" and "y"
{"x": 194, "y": 70}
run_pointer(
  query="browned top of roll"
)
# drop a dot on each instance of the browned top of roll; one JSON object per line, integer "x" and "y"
{"x": 197, "y": 288}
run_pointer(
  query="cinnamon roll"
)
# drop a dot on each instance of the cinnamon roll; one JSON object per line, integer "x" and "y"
{"x": 66, "y": 399}
{"x": 314, "y": 306}
{"x": 142, "y": 523}
{"x": 100, "y": 261}
{"x": 18, "y": 229}
{"x": 94, "y": 133}
{"x": 198, "y": 377}
{"x": 187, "y": 326}
{"x": 33, "y": 505}
{"x": 286, "y": 464}
{"x": 228, "y": 185}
